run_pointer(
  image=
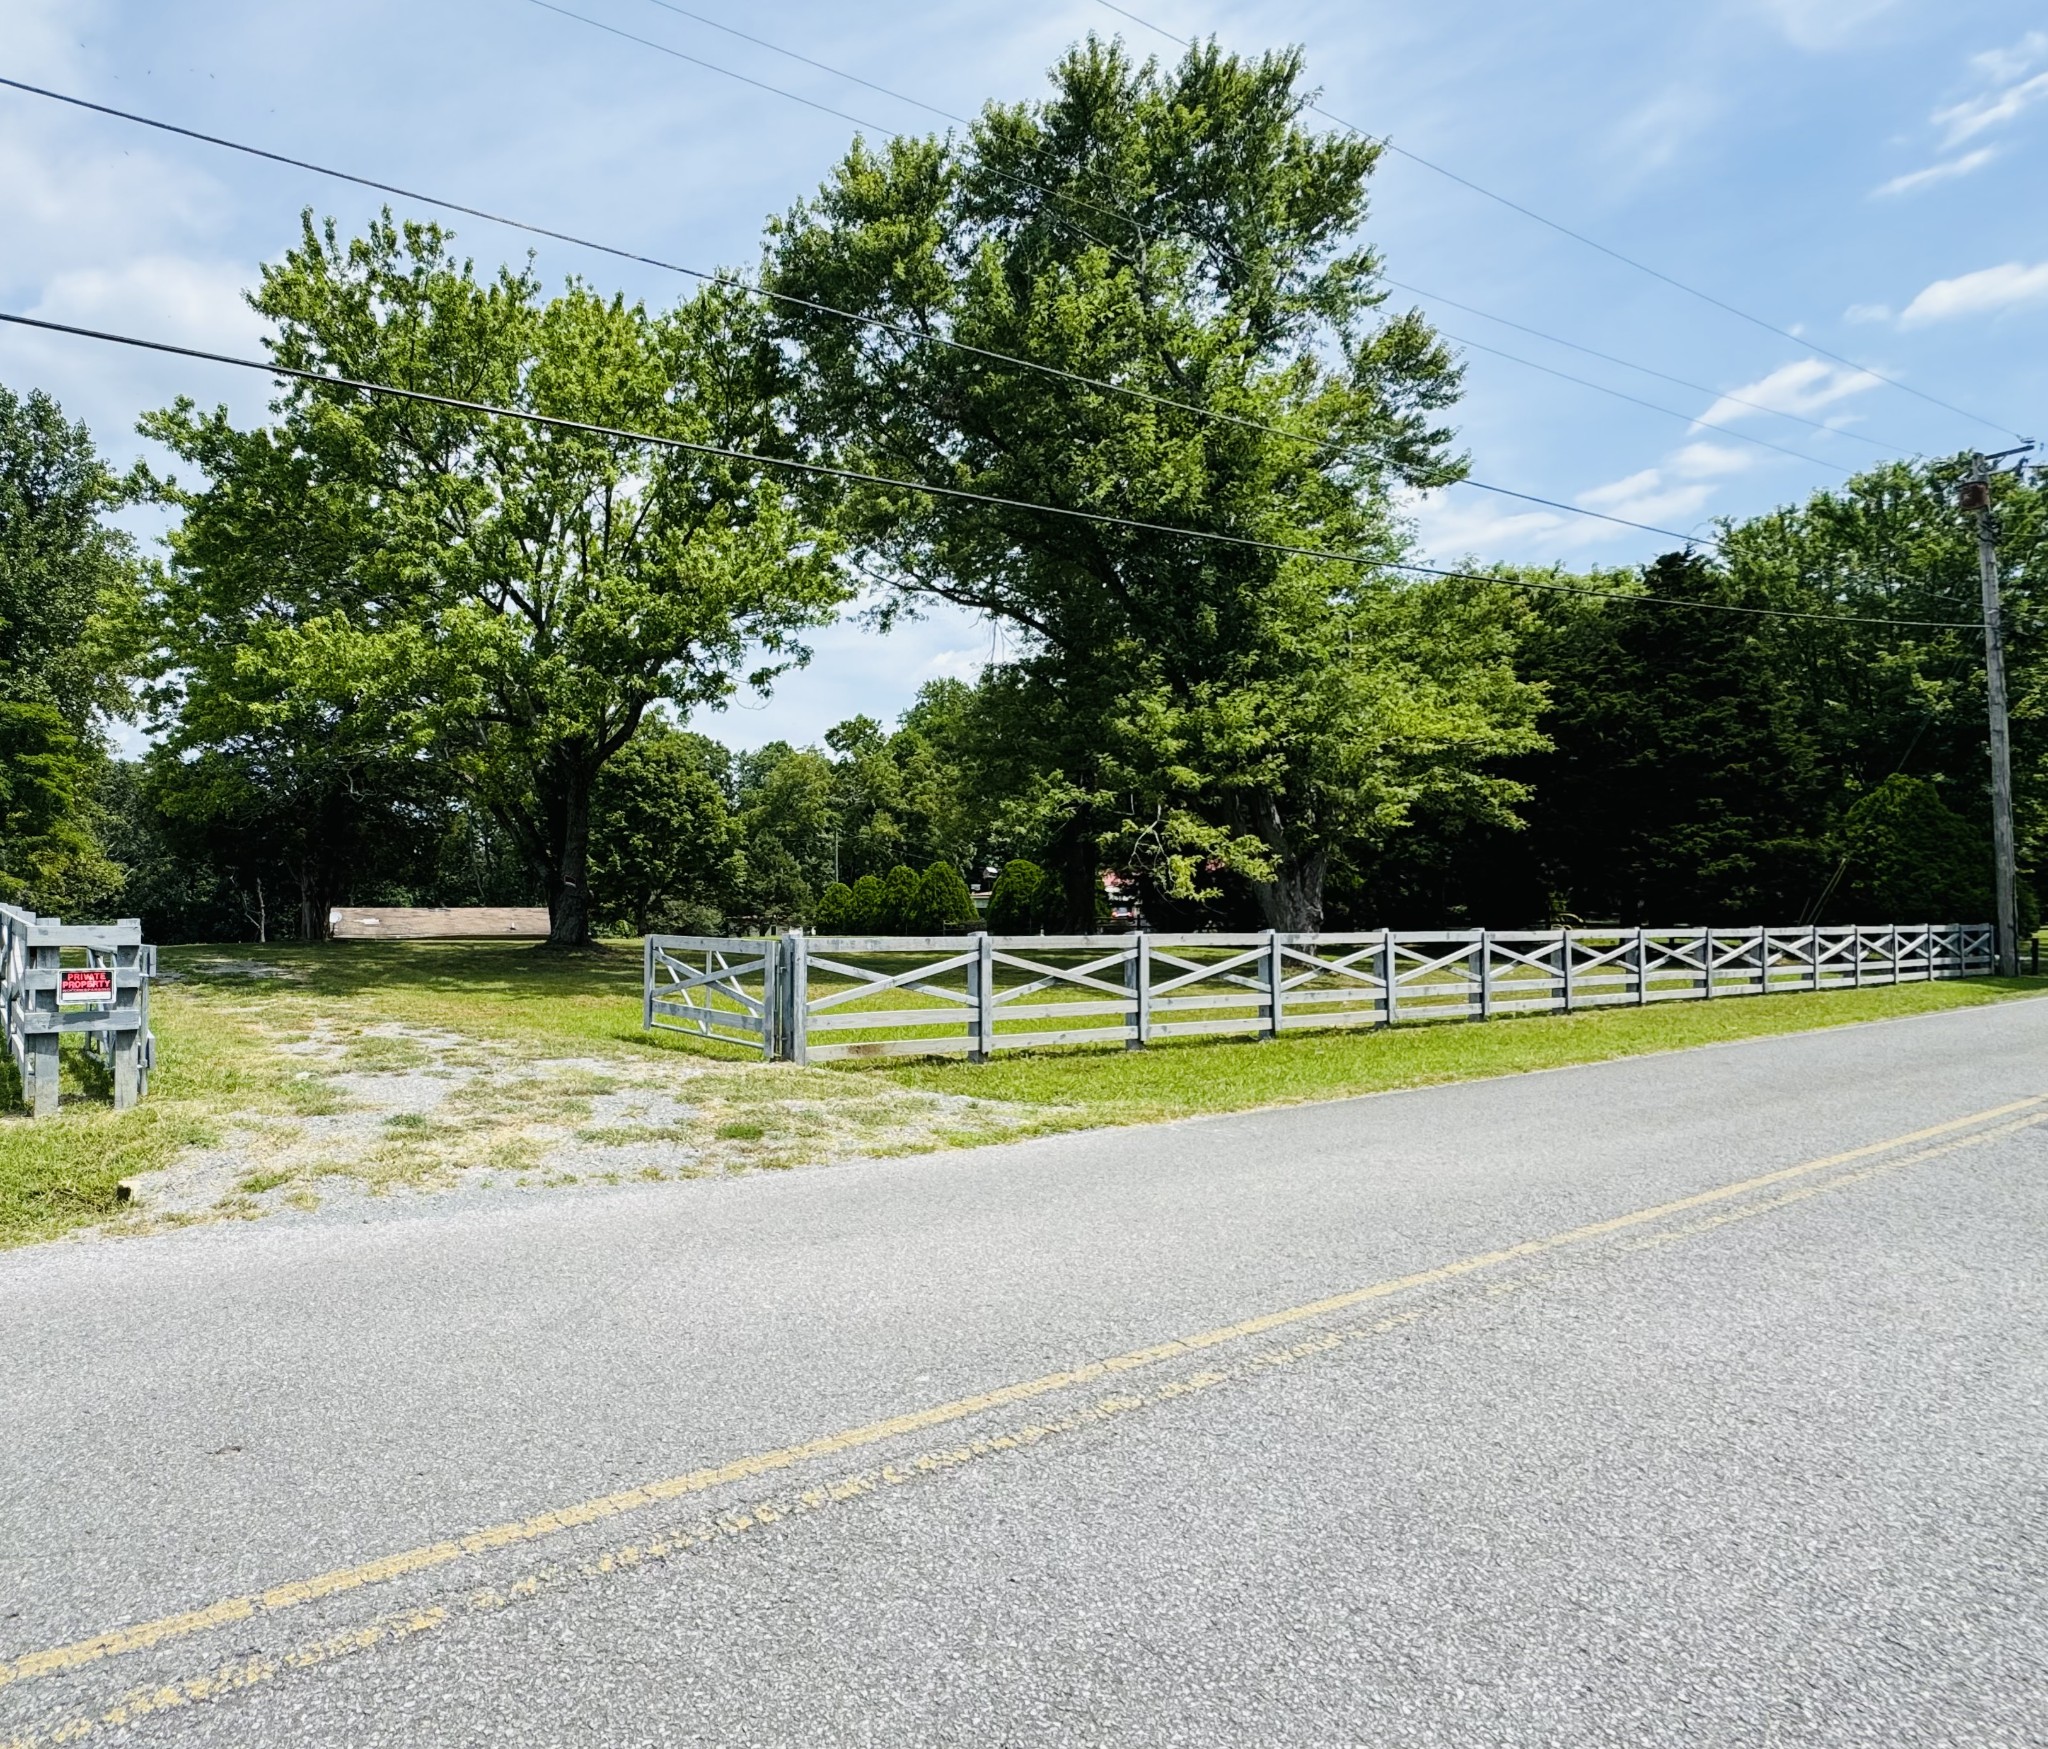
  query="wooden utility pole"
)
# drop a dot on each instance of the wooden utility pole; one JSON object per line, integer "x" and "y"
{"x": 1975, "y": 494}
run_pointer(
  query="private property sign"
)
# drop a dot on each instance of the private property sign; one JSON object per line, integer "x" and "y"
{"x": 92, "y": 987}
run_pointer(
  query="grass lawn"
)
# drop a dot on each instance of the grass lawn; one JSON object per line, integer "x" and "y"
{"x": 300, "y": 1072}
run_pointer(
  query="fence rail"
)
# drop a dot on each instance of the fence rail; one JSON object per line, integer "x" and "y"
{"x": 815, "y": 999}
{"x": 39, "y": 1011}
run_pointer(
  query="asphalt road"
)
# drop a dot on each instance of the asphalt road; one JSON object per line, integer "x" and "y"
{"x": 1698, "y": 1399}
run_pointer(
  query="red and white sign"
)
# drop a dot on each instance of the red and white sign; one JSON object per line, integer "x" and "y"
{"x": 90, "y": 988}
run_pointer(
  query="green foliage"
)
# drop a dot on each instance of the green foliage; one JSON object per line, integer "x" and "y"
{"x": 1911, "y": 857}
{"x": 899, "y": 900}
{"x": 50, "y": 859}
{"x": 661, "y": 831}
{"x": 1686, "y": 787}
{"x": 943, "y": 902}
{"x": 786, "y": 828}
{"x": 1019, "y": 899}
{"x": 1163, "y": 711}
{"x": 66, "y": 577}
{"x": 836, "y": 910}
{"x": 1706, "y": 765}
{"x": 65, "y": 583}
{"x": 898, "y": 798}
{"x": 507, "y": 599}
{"x": 870, "y": 907}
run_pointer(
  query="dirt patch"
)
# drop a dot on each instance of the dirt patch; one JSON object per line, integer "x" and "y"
{"x": 394, "y": 1110}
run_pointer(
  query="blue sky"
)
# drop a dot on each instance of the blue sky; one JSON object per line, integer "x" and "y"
{"x": 1867, "y": 174}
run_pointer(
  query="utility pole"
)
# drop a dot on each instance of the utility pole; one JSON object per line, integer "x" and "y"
{"x": 1975, "y": 494}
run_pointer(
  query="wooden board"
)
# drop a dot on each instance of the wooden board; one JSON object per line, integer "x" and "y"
{"x": 437, "y": 923}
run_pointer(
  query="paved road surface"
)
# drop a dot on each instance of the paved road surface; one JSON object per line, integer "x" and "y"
{"x": 1699, "y": 1399}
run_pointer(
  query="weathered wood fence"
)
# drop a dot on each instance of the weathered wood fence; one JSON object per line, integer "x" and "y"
{"x": 107, "y": 1000}
{"x": 813, "y": 999}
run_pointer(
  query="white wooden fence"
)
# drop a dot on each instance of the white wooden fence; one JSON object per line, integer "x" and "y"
{"x": 814, "y": 999}
{"x": 114, "y": 1019}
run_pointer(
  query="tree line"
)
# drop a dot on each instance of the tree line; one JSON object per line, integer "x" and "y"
{"x": 395, "y": 650}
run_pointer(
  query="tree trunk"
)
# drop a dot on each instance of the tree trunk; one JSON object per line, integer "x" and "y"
{"x": 1080, "y": 877}
{"x": 1293, "y": 899}
{"x": 569, "y": 903}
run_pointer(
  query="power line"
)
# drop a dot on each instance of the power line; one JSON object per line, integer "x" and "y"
{"x": 1647, "y": 370}
{"x": 1416, "y": 291}
{"x": 949, "y": 115}
{"x": 1397, "y": 285}
{"x": 787, "y": 298}
{"x": 811, "y": 103}
{"x": 1166, "y": 401}
{"x": 837, "y": 72}
{"x": 1593, "y": 243}
{"x": 857, "y": 476}
{"x": 1635, "y": 400}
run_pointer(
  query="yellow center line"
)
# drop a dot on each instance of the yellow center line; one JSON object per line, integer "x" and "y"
{"x": 229, "y": 1610}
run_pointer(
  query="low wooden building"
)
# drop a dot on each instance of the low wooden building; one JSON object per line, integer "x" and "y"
{"x": 437, "y": 922}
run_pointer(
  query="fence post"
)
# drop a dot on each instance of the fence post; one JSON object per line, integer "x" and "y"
{"x": 1642, "y": 966}
{"x": 1387, "y": 963}
{"x": 647, "y": 985}
{"x": 981, "y": 985}
{"x": 796, "y": 1035}
{"x": 1564, "y": 965}
{"x": 1483, "y": 951}
{"x": 1813, "y": 953}
{"x": 40, "y": 1090}
{"x": 1895, "y": 954}
{"x": 124, "y": 1048}
{"x": 1138, "y": 980}
{"x": 1275, "y": 972}
{"x": 774, "y": 1003}
{"x": 1707, "y": 963}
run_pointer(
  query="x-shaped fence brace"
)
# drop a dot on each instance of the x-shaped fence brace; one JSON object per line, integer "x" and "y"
{"x": 819, "y": 999}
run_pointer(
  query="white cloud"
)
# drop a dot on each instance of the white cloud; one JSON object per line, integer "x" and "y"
{"x": 1824, "y": 24}
{"x": 1710, "y": 461}
{"x": 1648, "y": 496}
{"x": 162, "y": 297}
{"x": 1867, "y": 313}
{"x": 1944, "y": 172}
{"x": 958, "y": 664}
{"x": 1656, "y": 133}
{"x": 1982, "y": 293}
{"x": 2003, "y": 66}
{"x": 1992, "y": 109}
{"x": 1452, "y": 527}
{"x": 1805, "y": 387}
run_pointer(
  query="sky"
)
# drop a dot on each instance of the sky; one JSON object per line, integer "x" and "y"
{"x": 1864, "y": 177}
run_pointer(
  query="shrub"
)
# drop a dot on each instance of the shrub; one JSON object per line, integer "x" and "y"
{"x": 899, "y": 905}
{"x": 1013, "y": 904}
{"x": 836, "y": 910}
{"x": 1911, "y": 857}
{"x": 943, "y": 901}
{"x": 870, "y": 906}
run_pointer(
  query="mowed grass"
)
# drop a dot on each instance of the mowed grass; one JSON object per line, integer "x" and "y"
{"x": 1187, "y": 1078}
{"x": 220, "y": 1056}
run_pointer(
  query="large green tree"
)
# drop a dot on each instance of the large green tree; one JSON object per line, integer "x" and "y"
{"x": 507, "y": 599}
{"x": 664, "y": 834}
{"x": 1823, "y": 760}
{"x": 65, "y": 576}
{"x": 1180, "y": 233}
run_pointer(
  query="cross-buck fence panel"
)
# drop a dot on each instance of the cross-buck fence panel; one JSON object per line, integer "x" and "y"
{"x": 815, "y": 999}
{"x": 103, "y": 994}
{"x": 718, "y": 987}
